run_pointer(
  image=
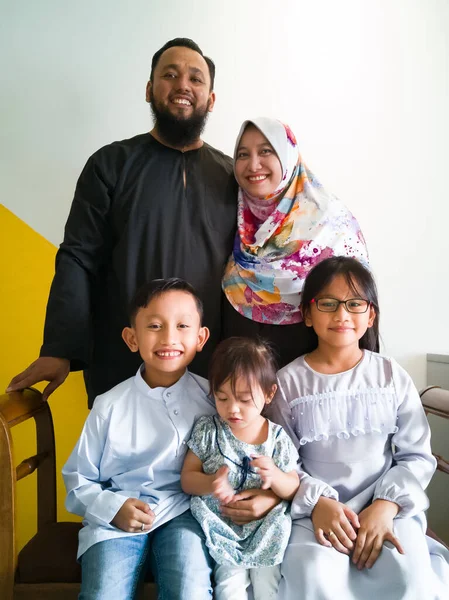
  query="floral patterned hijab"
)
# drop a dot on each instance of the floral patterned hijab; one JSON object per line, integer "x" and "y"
{"x": 281, "y": 237}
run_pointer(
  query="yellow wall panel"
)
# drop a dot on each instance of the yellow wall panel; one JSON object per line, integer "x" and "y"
{"x": 27, "y": 267}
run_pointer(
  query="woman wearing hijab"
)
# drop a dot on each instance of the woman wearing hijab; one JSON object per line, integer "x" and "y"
{"x": 286, "y": 223}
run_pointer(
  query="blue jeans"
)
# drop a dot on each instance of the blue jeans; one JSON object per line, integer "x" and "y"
{"x": 176, "y": 553}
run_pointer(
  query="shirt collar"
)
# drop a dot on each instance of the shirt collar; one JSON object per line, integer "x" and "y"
{"x": 158, "y": 392}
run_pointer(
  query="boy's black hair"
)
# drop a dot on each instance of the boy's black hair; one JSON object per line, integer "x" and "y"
{"x": 243, "y": 357}
{"x": 183, "y": 43}
{"x": 361, "y": 283}
{"x": 157, "y": 287}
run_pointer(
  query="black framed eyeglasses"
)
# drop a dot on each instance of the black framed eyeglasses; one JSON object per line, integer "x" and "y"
{"x": 352, "y": 305}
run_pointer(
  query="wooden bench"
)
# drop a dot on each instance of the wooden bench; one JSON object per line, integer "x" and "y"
{"x": 46, "y": 568}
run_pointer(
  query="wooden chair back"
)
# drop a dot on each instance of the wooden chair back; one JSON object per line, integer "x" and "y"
{"x": 14, "y": 409}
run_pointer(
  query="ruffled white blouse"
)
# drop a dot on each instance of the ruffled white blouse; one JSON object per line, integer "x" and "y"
{"x": 361, "y": 435}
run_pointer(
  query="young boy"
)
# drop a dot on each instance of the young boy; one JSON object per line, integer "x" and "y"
{"x": 123, "y": 476}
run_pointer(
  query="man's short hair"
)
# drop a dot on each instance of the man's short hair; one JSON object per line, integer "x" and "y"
{"x": 157, "y": 287}
{"x": 183, "y": 43}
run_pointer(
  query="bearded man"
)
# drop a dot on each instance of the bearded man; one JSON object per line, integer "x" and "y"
{"x": 158, "y": 205}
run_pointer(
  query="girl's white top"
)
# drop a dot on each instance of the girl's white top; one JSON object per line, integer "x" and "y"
{"x": 362, "y": 435}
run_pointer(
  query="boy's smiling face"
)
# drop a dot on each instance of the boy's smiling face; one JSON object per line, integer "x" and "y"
{"x": 168, "y": 334}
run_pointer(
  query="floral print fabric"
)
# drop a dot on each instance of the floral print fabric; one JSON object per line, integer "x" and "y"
{"x": 261, "y": 543}
{"x": 271, "y": 258}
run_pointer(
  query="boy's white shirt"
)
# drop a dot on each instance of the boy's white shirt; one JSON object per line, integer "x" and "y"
{"x": 133, "y": 445}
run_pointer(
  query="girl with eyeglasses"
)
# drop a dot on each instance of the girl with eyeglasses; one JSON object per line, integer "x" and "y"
{"x": 365, "y": 459}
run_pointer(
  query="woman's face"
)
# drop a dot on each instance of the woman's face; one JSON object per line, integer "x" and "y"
{"x": 257, "y": 167}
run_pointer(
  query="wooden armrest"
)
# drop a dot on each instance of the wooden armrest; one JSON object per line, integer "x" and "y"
{"x": 436, "y": 401}
{"x": 17, "y": 407}
{"x": 442, "y": 464}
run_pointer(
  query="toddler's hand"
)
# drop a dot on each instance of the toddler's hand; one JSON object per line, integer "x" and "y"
{"x": 134, "y": 515}
{"x": 335, "y": 524}
{"x": 266, "y": 468}
{"x": 221, "y": 488}
{"x": 250, "y": 505}
{"x": 376, "y": 527}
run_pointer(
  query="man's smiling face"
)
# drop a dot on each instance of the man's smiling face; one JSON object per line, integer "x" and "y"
{"x": 180, "y": 92}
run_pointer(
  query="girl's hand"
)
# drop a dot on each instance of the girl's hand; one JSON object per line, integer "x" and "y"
{"x": 221, "y": 488}
{"x": 266, "y": 469}
{"x": 132, "y": 515}
{"x": 335, "y": 524}
{"x": 376, "y": 527}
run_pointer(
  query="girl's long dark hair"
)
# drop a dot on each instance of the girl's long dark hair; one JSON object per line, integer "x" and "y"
{"x": 360, "y": 282}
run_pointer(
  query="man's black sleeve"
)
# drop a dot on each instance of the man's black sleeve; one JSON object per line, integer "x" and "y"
{"x": 86, "y": 246}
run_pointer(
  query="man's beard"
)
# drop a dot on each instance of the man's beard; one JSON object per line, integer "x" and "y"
{"x": 177, "y": 131}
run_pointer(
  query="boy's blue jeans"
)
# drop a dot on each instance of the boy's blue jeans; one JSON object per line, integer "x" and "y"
{"x": 175, "y": 552}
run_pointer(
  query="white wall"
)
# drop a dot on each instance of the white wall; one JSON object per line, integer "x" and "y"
{"x": 364, "y": 85}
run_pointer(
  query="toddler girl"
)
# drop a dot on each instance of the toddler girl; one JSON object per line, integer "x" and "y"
{"x": 236, "y": 450}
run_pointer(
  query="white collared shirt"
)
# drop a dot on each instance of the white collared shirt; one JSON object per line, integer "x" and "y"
{"x": 133, "y": 445}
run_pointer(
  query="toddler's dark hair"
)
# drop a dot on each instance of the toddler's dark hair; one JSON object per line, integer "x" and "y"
{"x": 157, "y": 287}
{"x": 236, "y": 357}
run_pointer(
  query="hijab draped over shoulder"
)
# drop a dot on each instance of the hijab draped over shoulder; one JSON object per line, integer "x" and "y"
{"x": 275, "y": 248}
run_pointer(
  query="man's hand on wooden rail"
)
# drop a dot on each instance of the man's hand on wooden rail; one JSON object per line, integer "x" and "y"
{"x": 45, "y": 368}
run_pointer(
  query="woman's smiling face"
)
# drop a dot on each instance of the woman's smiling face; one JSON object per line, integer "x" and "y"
{"x": 257, "y": 168}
